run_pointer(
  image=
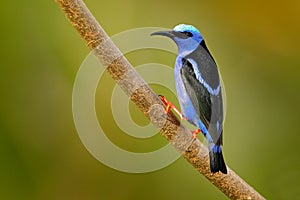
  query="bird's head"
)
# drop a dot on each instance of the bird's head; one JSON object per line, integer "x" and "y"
{"x": 187, "y": 38}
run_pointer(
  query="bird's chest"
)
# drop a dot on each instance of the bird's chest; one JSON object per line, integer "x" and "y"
{"x": 185, "y": 103}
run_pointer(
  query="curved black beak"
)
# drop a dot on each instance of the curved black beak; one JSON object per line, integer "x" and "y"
{"x": 169, "y": 34}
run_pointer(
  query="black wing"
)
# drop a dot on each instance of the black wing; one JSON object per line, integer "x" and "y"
{"x": 209, "y": 107}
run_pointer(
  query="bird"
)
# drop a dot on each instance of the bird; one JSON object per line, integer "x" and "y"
{"x": 198, "y": 89}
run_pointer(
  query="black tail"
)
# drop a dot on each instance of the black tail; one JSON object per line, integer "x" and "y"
{"x": 217, "y": 162}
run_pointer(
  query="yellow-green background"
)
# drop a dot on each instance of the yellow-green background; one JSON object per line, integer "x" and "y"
{"x": 256, "y": 45}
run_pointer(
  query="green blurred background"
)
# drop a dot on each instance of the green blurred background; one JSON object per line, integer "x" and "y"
{"x": 256, "y": 45}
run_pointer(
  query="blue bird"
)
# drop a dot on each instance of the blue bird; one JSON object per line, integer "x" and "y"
{"x": 198, "y": 89}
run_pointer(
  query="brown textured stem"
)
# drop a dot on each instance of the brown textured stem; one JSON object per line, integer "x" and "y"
{"x": 142, "y": 95}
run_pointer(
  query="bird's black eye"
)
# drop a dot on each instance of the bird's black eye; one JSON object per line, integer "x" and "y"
{"x": 188, "y": 34}
{"x": 182, "y": 34}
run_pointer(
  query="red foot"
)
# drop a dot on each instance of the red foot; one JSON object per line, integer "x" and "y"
{"x": 196, "y": 132}
{"x": 169, "y": 105}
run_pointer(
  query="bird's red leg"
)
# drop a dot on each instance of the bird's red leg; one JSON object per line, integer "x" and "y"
{"x": 196, "y": 132}
{"x": 169, "y": 105}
